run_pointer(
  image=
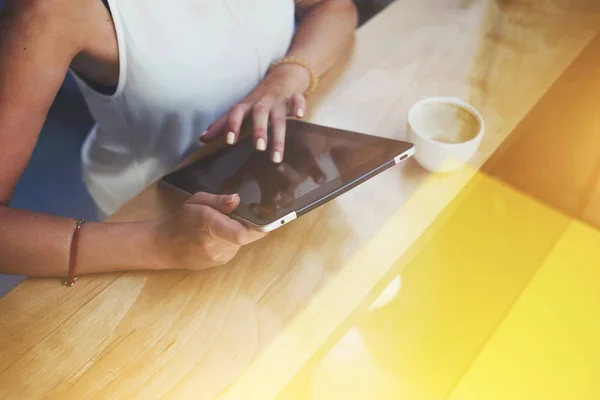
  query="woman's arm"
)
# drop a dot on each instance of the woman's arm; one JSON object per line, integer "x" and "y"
{"x": 326, "y": 29}
{"x": 38, "y": 40}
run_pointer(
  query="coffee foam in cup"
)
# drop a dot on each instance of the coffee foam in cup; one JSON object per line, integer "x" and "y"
{"x": 447, "y": 123}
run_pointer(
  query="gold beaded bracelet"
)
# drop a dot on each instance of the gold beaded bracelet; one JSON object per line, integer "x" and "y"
{"x": 314, "y": 78}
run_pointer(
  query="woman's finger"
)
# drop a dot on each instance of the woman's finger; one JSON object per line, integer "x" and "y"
{"x": 260, "y": 119}
{"x": 213, "y": 210}
{"x": 223, "y": 203}
{"x": 297, "y": 105}
{"x": 278, "y": 120}
{"x": 220, "y": 226}
{"x": 234, "y": 122}
{"x": 215, "y": 130}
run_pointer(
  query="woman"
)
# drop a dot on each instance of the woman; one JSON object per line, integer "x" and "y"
{"x": 155, "y": 74}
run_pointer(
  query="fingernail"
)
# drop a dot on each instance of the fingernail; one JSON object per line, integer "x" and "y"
{"x": 202, "y": 134}
{"x": 230, "y": 199}
{"x": 261, "y": 144}
{"x": 230, "y": 138}
{"x": 300, "y": 113}
{"x": 277, "y": 157}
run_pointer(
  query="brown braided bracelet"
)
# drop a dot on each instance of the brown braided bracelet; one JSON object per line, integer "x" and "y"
{"x": 70, "y": 280}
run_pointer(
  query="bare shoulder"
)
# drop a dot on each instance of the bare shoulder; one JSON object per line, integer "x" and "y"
{"x": 80, "y": 30}
{"x": 38, "y": 41}
{"x": 74, "y": 24}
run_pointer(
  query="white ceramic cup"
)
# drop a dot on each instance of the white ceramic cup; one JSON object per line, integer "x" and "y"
{"x": 446, "y": 132}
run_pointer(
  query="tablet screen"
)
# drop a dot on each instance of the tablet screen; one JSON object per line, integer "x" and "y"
{"x": 316, "y": 160}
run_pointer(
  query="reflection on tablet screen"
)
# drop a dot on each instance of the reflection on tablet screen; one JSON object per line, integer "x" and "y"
{"x": 309, "y": 162}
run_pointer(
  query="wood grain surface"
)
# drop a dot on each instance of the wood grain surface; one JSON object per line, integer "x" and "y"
{"x": 242, "y": 331}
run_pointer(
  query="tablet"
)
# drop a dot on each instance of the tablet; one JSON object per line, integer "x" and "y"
{"x": 319, "y": 164}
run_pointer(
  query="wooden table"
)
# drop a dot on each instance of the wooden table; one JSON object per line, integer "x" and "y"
{"x": 243, "y": 331}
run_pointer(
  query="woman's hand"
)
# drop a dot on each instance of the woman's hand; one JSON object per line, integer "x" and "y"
{"x": 200, "y": 235}
{"x": 277, "y": 97}
{"x": 325, "y": 30}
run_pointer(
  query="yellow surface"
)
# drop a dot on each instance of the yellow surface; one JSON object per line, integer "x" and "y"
{"x": 548, "y": 347}
{"x": 503, "y": 266}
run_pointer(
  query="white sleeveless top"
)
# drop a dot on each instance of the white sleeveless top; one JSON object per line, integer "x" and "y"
{"x": 183, "y": 63}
